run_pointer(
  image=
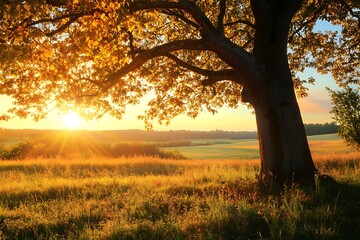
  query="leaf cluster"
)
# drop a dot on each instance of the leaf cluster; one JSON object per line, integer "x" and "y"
{"x": 332, "y": 49}
{"x": 346, "y": 112}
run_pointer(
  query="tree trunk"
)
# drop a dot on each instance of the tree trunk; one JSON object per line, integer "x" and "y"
{"x": 284, "y": 150}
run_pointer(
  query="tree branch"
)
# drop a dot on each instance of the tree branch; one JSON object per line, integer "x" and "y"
{"x": 236, "y": 57}
{"x": 132, "y": 51}
{"x": 221, "y": 75}
{"x": 221, "y": 16}
{"x": 317, "y": 12}
{"x": 248, "y": 42}
{"x": 72, "y": 18}
{"x": 213, "y": 76}
{"x": 351, "y": 11}
{"x": 191, "y": 8}
{"x": 157, "y": 51}
{"x": 61, "y": 28}
{"x": 181, "y": 17}
{"x": 188, "y": 66}
{"x": 246, "y": 22}
{"x": 56, "y": 3}
{"x": 53, "y": 20}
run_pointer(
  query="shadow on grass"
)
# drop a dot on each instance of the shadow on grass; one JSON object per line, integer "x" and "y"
{"x": 147, "y": 230}
{"x": 70, "y": 229}
{"x": 323, "y": 213}
{"x": 238, "y": 225}
{"x": 97, "y": 191}
{"x": 228, "y": 210}
{"x": 91, "y": 170}
{"x": 234, "y": 190}
{"x": 349, "y": 210}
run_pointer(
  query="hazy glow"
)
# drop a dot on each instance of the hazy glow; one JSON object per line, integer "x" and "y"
{"x": 314, "y": 109}
{"x": 72, "y": 120}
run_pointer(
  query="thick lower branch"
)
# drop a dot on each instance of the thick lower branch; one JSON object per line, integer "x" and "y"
{"x": 157, "y": 51}
{"x": 213, "y": 76}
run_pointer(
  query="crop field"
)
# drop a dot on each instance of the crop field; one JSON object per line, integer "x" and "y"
{"x": 249, "y": 148}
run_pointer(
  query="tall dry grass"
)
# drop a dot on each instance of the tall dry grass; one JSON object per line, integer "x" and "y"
{"x": 150, "y": 198}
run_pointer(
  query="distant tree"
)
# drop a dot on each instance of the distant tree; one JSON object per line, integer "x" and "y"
{"x": 192, "y": 55}
{"x": 17, "y": 151}
{"x": 346, "y": 112}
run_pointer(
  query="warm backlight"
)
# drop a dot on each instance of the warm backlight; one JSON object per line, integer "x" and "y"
{"x": 72, "y": 120}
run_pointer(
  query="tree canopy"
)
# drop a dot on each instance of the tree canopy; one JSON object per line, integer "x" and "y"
{"x": 99, "y": 56}
{"x": 346, "y": 112}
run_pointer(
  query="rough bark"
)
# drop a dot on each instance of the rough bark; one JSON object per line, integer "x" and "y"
{"x": 284, "y": 150}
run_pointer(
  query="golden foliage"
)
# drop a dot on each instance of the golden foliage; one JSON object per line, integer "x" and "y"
{"x": 103, "y": 55}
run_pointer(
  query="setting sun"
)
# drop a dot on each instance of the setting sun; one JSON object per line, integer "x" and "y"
{"x": 72, "y": 120}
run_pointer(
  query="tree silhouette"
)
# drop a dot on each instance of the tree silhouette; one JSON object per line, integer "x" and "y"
{"x": 100, "y": 56}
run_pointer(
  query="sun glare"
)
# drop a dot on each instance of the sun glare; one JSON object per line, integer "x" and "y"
{"x": 72, "y": 120}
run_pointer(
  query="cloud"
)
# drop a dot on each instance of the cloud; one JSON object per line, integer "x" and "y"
{"x": 316, "y": 108}
{"x": 311, "y": 106}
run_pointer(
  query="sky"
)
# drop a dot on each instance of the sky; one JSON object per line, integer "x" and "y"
{"x": 315, "y": 109}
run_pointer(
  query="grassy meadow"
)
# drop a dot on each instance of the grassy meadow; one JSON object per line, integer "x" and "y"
{"x": 152, "y": 198}
{"x": 249, "y": 148}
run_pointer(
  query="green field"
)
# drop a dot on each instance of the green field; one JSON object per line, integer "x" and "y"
{"x": 249, "y": 148}
{"x": 164, "y": 144}
{"x": 219, "y": 149}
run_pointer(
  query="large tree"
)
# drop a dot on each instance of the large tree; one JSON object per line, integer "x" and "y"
{"x": 191, "y": 55}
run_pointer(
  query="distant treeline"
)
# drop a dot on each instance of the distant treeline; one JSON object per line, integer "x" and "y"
{"x": 111, "y": 136}
{"x": 18, "y": 144}
{"x": 8, "y": 135}
{"x": 178, "y": 135}
{"x": 319, "y": 129}
{"x": 69, "y": 150}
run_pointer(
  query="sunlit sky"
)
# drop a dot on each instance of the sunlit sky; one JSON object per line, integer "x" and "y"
{"x": 315, "y": 109}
